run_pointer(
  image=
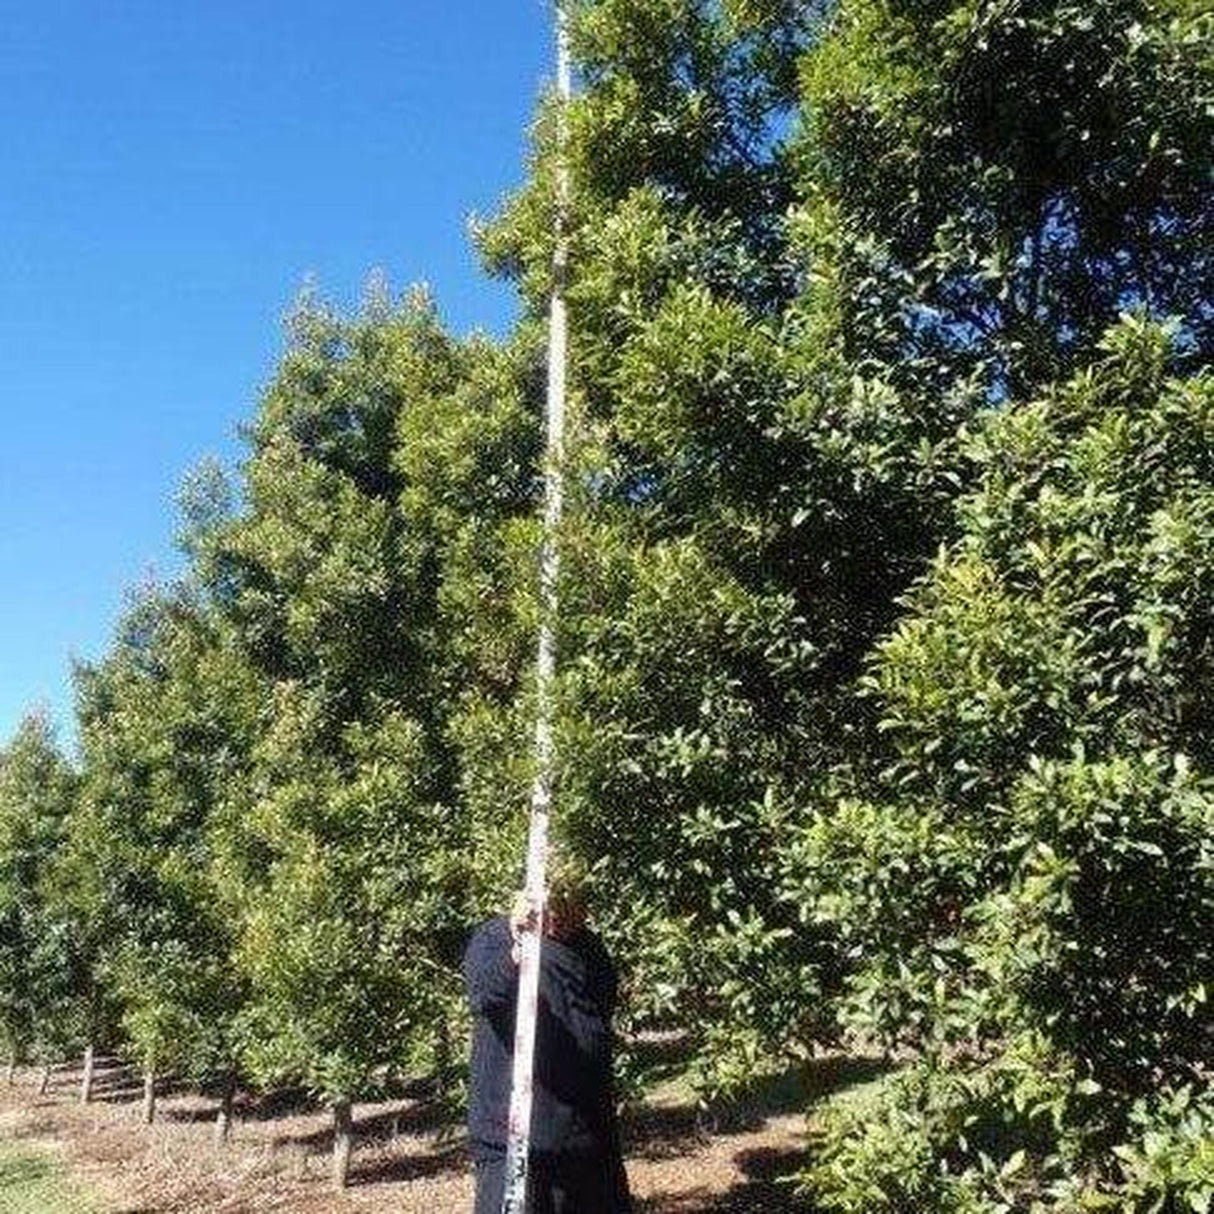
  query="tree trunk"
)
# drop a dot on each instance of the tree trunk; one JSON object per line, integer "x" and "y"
{"x": 223, "y": 1120}
{"x": 149, "y": 1095}
{"x": 342, "y": 1135}
{"x": 443, "y": 1059}
{"x": 86, "y": 1081}
{"x": 44, "y": 1082}
{"x": 10, "y": 1076}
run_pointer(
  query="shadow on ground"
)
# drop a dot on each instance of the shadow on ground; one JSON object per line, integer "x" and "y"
{"x": 382, "y": 1126}
{"x": 768, "y": 1184}
{"x": 767, "y": 1188}
{"x": 397, "y": 1169}
{"x": 668, "y": 1130}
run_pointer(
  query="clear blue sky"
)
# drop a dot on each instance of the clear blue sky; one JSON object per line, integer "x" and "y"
{"x": 170, "y": 176}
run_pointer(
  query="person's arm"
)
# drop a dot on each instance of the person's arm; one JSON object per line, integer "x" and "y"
{"x": 604, "y": 979}
{"x": 489, "y": 972}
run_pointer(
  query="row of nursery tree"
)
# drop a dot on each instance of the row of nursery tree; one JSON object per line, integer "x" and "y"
{"x": 886, "y": 707}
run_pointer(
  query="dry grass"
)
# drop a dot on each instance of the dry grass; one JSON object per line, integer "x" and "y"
{"x": 278, "y": 1159}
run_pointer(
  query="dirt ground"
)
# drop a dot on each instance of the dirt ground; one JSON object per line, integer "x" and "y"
{"x": 278, "y": 1158}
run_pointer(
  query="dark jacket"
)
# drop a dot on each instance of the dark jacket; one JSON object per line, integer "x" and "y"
{"x": 573, "y": 1109}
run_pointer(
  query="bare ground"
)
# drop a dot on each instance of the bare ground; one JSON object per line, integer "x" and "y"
{"x": 405, "y": 1161}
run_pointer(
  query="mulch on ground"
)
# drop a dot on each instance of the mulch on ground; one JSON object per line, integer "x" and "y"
{"x": 277, "y": 1159}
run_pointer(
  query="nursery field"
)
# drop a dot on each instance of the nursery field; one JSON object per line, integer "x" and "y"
{"x": 885, "y": 626}
{"x": 59, "y": 1156}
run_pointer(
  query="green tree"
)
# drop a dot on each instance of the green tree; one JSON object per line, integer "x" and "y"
{"x": 984, "y": 188}
{"x": 37, "y": 795}
{"x": 694, "y": 656}
{"x": 165, "y": 722}
{"x": 1029, "y": 897}
{"x": 809, "y": 250}
{"x": 990, "y": 184}
{"x": 342, "y": 848}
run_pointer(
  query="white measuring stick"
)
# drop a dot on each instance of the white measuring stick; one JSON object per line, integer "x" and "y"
{"x": 518, "y": 1141}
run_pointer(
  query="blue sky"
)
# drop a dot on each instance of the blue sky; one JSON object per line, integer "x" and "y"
{"x": 171, "y": 175}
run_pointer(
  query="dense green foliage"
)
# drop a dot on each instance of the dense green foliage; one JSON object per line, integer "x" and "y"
{"x": 888, "y": 579}
{"x": 39, "y": 977}
{"x": 1045, "y": 828}
{"x": 165, "y": 719}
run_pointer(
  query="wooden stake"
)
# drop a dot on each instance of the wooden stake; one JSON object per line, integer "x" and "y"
{"x": 343, "y": 1133}
{"x": 149, "y": 1095}
{"x": 223, "y": 1119}
{"x": 86, "y": 1079}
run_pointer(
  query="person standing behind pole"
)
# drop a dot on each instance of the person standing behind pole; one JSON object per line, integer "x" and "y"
{"x": 576, "y": 1164}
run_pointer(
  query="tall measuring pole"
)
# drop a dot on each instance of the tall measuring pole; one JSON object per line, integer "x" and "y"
{"x": 518, "y": 1144}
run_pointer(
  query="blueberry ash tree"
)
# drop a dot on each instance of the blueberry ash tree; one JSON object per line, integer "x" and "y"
{"x": 691, "y": 667}
{"x": 986, "y": 187}
{"x": 166, "y": 719}
{"x": 37, "y": 998}
{"x": 1028, "y": 892}
{"x": 343, "y": 848}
